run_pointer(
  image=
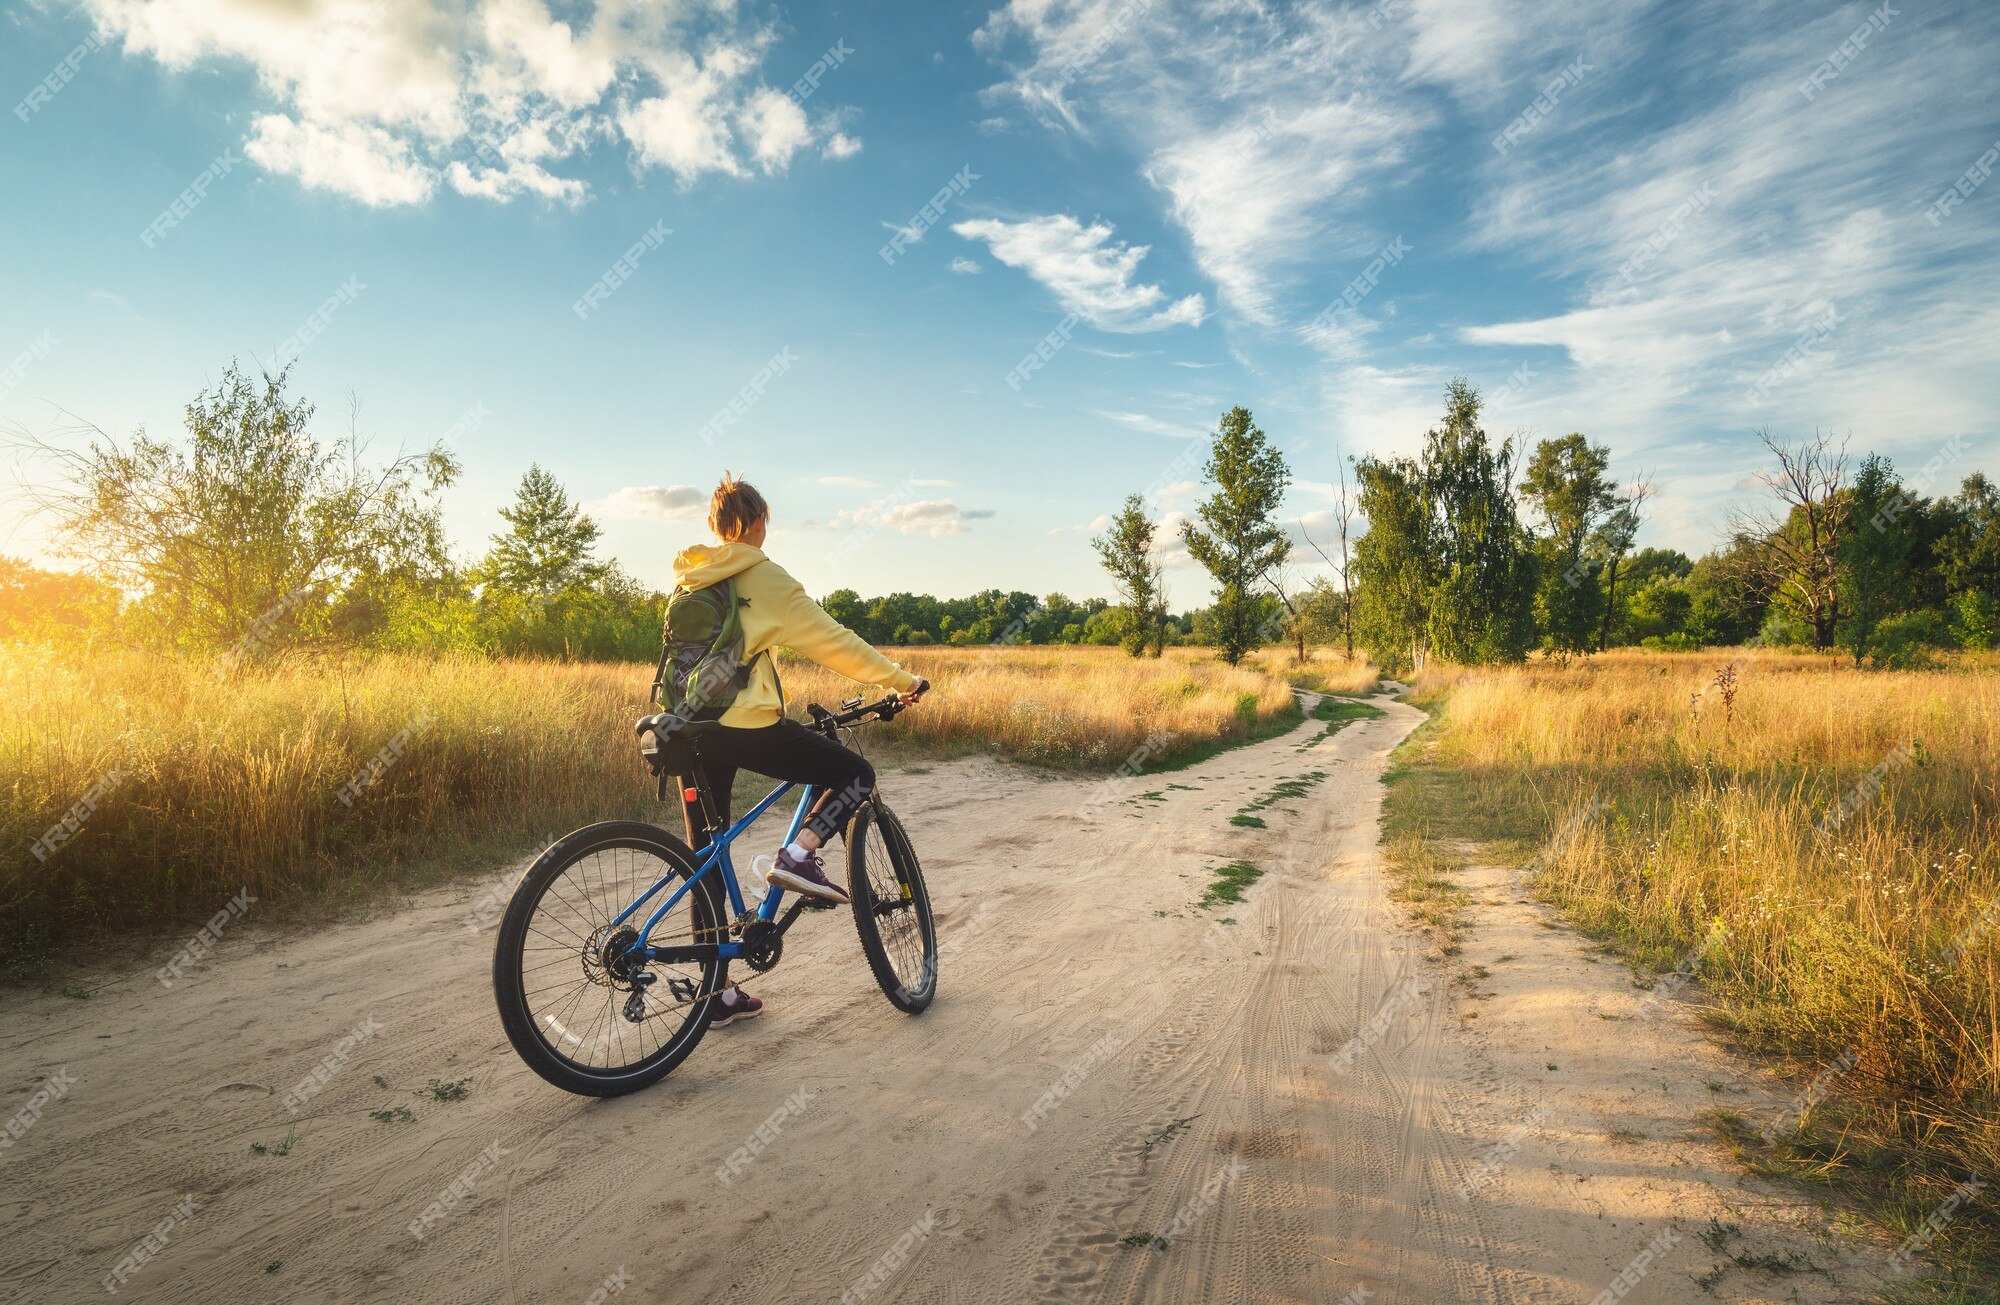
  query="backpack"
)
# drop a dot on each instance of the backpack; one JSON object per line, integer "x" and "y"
{"x": 702, "y": 667}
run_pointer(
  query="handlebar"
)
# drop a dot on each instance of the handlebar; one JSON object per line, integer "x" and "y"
{"x": 828, "y": 721}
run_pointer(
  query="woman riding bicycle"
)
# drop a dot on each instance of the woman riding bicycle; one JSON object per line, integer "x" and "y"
{"x": 775, "y": 612}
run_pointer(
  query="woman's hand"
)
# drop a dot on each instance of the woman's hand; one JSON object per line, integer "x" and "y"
{"x": 921, "y": 687}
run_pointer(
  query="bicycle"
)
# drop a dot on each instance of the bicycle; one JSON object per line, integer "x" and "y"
{"x": 579, "y": 973}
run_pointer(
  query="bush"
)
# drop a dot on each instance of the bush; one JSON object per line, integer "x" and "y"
{"x": 1905, "y": 642}
{"x": 1976, "y": 620}
{"x": 1783, "y": 630}
{"x": 1678, "y": 641}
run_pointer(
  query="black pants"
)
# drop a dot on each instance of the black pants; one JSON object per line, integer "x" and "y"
{"x": 788, "y": 751}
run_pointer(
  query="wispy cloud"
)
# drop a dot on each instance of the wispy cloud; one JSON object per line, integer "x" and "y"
{"x": 656, "y": 503}
{"x": 932, "y": 517}
{"x": 1090, "y": 274}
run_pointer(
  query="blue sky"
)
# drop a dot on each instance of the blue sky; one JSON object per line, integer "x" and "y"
{"x": 1664, "y": 225}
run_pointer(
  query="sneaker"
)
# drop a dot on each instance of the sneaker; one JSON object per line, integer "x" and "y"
{"x": 807, "y": 876}
{"x": 734, "y": 1004}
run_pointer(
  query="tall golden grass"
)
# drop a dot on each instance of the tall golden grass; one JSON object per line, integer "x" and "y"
{"x": 1818, "y": 843}
{"x": 204, "y": 782}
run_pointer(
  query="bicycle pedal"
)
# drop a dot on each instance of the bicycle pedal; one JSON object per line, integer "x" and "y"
{"x": 817, "y": 903}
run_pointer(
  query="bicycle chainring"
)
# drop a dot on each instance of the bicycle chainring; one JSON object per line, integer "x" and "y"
{"x": 763, "y": 944}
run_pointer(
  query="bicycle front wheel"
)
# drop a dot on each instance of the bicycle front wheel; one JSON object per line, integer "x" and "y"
{"x": 892, "y": 912}
{"x": 571, "y": 999}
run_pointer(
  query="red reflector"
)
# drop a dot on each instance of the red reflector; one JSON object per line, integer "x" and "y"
{"x": 690, "y": 795}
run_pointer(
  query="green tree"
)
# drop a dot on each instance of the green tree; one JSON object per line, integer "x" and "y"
{"x": 1126, "y": 549}
{"x": 550, "y": 545}
{"x": 250, "y": 535}
{"x": 1395, "y": 564}
{"x": 1238, "y": 539}
{"x": 1875, "y": 552}
{"x": 1483, "y": 607}
{"x": 1569, "y": 484}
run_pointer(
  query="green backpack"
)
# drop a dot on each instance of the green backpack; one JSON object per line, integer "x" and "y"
{"x": 702, "y": 667}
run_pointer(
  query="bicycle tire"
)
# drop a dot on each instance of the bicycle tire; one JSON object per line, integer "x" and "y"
{"x": 905, "y": 958}
{"x": 552, "y": 874}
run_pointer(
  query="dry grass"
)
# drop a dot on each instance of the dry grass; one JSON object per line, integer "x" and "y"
{"x": 1835, "y": 831}
{"x": 228, "y": 782}
{"x": 1325, "y": 670}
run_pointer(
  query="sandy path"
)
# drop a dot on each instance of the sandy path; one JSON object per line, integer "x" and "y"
{"x": 1340, "y": 1113}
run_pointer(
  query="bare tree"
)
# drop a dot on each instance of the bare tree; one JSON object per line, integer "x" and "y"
{"x": 1617, "y": 534}
{"x": 1343, "y": 519}
{"x": 1790, "y": 550}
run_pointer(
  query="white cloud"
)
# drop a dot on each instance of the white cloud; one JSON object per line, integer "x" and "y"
{"x": 383, "y": 102}
{"x": 932, "y": 517}
{"x": 848, "y": 482}
{"x": 966, "y": 267}
{"x": 1090, "y": 274}
{"x": 657, "y": 503}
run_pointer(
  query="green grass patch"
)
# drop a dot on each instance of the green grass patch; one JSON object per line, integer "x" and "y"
{"x": 1230, "y": 883}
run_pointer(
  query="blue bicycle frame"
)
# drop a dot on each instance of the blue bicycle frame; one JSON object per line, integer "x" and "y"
{"x": 716, "y": 854}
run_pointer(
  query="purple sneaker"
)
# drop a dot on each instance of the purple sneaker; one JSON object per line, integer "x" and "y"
{"x": 734, "y": 1004}
{"x": 807, "y": 876}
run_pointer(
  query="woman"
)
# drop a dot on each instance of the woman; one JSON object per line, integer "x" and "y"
{"x": 775, "y": 611}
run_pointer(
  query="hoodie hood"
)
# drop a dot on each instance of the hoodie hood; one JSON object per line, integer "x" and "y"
{"x": 707, "y": 564}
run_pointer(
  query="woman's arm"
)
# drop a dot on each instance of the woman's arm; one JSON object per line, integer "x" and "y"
{"x": 805, "y": 628}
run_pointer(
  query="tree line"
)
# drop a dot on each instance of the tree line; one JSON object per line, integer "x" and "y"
{"x": 1481, "y": 551}
{"x": 251, "y": 537}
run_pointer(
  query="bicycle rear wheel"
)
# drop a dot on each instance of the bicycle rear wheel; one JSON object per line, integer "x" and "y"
{"x": 568, "y": 995}
{"x": 892, "y": 912}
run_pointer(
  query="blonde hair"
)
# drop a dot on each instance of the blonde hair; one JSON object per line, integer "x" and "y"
{"x": 735, "y": 507}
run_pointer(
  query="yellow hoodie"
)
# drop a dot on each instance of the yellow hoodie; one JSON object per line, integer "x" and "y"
{"x": 777, "y": 612}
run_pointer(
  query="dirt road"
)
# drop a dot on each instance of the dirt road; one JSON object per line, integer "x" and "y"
{"x": 1115, "y": 1096}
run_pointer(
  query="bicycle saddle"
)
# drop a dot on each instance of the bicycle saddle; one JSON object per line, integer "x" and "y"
{"x": 669, "y": 742}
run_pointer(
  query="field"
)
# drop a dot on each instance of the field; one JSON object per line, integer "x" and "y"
{"x": 1815, "y": 844}
{"x": 184, "y": 783}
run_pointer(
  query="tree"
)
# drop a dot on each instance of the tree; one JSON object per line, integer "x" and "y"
{"x": 1875, "y": 554}
{"x": 1343, "y": 520}
{"x": 1138, "y": 574}
{"x": 1238, "y": 540}
{"x": 1482, "y": 609}
{"x": 1792, "y": 555}
{"x": 1568, "y": 484}
{"x": 1395, "y": 562}
{"x": 1613, "y": 540}
{"x": 549, "y": 548}
{"x": 250, "y": 535}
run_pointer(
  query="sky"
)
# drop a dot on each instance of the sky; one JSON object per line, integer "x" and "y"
{"x": 949, "y": 282}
